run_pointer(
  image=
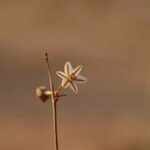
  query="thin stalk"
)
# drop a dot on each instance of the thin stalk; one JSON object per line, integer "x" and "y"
{"x": 54, "y": 108}
{"x": 49, "y": 75}
{"x": 59, "y": 88}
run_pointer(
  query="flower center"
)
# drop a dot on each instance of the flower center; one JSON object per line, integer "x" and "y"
{"x": 71, "y": 77}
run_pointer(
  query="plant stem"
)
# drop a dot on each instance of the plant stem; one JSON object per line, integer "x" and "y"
{"x": 54, "y": 102}
{"x": 59, "y": 88}
{"x": 54, "y": 106}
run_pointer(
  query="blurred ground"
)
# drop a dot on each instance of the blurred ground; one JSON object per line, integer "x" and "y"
{"x": 110, "y": 38}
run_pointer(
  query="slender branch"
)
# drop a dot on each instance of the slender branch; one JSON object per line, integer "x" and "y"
{"x": 53, "y": 102}
{"x": 59, "y": 88}
{"x": 49, "y": 75}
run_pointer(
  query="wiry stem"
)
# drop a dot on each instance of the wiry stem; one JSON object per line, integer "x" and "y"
{"x": 59, "y": 88}
{"x": 54, "y": 109}
{"x": 49, "y": 75}
{"x": 55, "y": 124}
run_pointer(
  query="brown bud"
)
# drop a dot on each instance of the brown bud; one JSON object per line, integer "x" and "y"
{"x": 42, "y": 93}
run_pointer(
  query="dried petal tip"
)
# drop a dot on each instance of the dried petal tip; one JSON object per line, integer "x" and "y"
{"x": 42, "y": 93}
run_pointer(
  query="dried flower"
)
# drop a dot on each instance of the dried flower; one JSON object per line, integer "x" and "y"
{"x": 71, "y": 76}
{"x": 42, "y": 93}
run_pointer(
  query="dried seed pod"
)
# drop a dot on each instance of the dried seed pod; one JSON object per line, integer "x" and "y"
{"x": 42, "y": 93}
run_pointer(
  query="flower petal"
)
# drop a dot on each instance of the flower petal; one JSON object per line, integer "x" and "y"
{"x": 65, "y": 83}
{"x": 68, "y": 68}
{"x": 81, "y": 79}
{"x": 77, "y": 70}
{"x": 73, "y": 86}
{"x": 61, "y": 74}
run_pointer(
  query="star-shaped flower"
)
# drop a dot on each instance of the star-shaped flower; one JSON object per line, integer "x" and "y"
{"x": 71, "y": 76}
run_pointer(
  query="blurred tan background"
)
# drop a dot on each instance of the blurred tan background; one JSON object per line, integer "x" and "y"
{"x": 110, "y": 38}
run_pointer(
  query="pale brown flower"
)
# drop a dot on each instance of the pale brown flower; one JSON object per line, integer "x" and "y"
{"x": 70, "y": 77}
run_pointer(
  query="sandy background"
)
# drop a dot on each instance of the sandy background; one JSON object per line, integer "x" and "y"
{"x": 110, "y": 38}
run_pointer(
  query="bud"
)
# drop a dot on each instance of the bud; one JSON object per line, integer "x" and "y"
{"x": 42, "y": 93}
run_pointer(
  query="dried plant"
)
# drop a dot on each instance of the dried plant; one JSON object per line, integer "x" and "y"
{"x": 70, "y": 77}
